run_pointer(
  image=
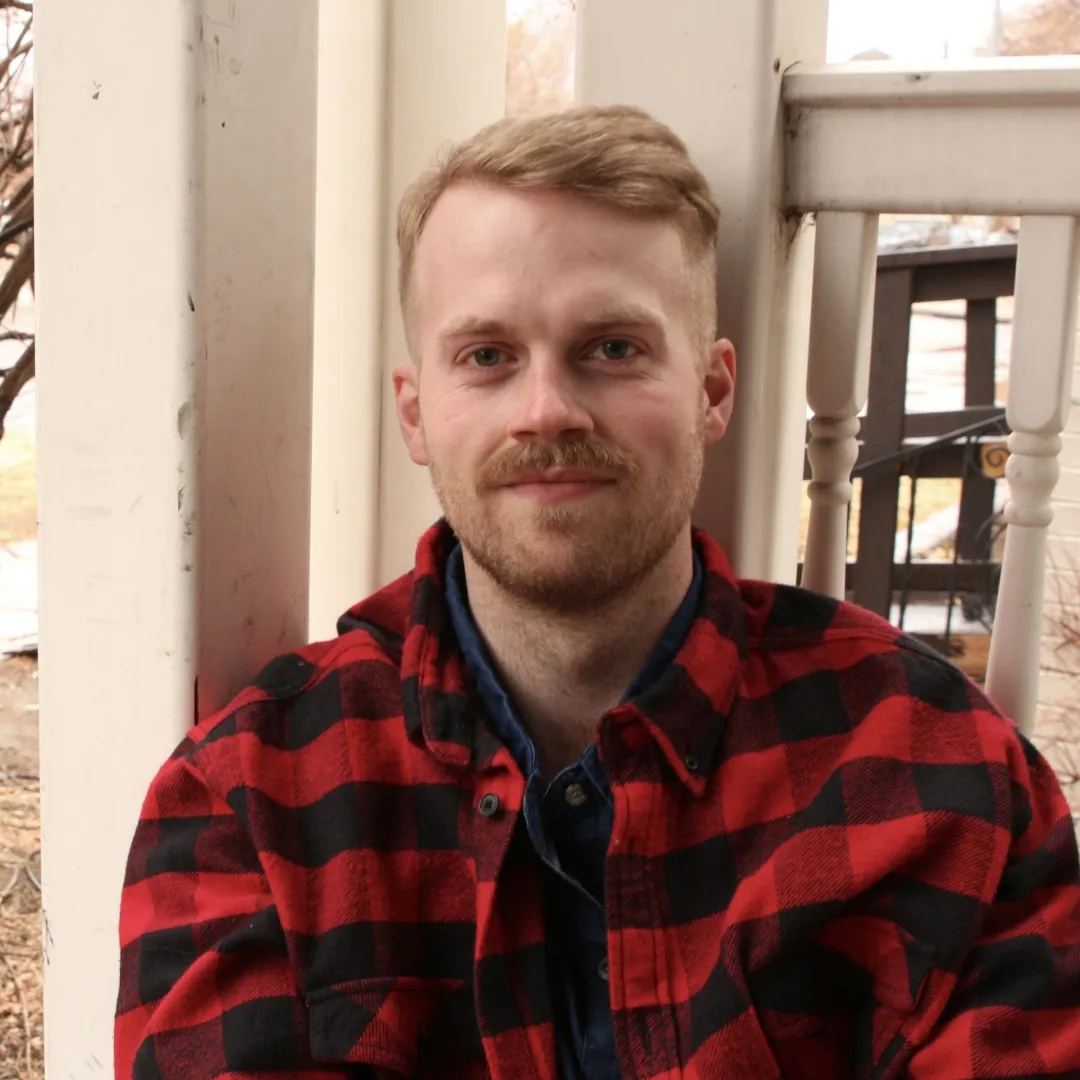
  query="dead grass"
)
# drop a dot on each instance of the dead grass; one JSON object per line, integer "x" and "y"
{"x": 21, "y": 974}
{"x": 21, "y": 966}
{"x": 18, "y": 486}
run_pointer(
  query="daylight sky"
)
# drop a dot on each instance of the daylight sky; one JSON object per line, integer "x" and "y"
{"x": 910, "y": 29}
{"x": 905, "y": 29}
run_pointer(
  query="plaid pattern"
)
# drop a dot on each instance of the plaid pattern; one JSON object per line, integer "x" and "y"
{"x": 831, "y": 858}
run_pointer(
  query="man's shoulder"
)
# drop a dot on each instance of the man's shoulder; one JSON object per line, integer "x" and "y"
{"x": 782, "y": 617}
{"x": 811, "y": 637}
{"x": 779, "y": 616}
{"x": 300, "y": 694}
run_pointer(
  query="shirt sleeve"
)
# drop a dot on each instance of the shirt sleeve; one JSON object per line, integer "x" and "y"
{"x": 1015, "y": 1008}
{"x": 206, "y": 988}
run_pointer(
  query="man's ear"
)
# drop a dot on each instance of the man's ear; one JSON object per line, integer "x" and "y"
{"x": 407, "y": 398}
{"x": 719, "y": 389}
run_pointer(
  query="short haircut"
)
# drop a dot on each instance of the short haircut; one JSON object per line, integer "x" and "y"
{"x": 615, "y": 155}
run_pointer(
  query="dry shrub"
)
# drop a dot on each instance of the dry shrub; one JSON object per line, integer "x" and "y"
{"x": 21, "y": 1021}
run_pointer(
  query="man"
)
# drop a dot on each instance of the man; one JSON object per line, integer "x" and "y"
{"x": 570, "y": 800}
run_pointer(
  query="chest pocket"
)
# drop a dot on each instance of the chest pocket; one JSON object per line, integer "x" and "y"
{"x": 398, "y": 1027}
{"x": 839, "y": 1005}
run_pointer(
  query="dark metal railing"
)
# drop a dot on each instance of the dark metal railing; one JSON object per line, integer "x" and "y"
{"x": 895, "y": 443}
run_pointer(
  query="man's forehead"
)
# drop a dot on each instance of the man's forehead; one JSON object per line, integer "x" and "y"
{"x": 486, "y": 254}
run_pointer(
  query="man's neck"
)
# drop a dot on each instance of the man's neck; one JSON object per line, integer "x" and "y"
{"x": 564, "y": 672}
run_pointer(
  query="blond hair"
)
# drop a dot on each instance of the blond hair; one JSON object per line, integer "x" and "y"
{"x": 616, "y": 155}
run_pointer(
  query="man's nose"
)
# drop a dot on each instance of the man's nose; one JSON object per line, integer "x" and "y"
{"x": 550, "y": 406}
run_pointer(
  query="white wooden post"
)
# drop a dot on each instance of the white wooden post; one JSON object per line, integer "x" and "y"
{"x": 380, "y": 124}
{"x": 350, "y": 242}
{"x": 1043, "y": 345}
{"x": 255, "y": 221}
{"x": 713, "y": 71}
{"x": 175, "y": 188}
{"x": 447, "y": 79}
{"x": 841, "y": 319}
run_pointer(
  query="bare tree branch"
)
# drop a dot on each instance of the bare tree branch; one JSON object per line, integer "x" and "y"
{"x": 20, "y": 209}
{"x": 18, "y": 274}
{"x": 1043, "y": 28}
{"x": 20, "y": 141}
{"x": 20, "y": 48}
{"x": 13, "y": 232}
{"x": 14, "y": 380}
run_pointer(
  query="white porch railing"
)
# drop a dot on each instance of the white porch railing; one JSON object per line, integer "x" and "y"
{"x": 996, "y": 138}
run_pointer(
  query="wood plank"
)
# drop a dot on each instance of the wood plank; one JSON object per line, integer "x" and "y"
{"x": 933, "y": 425}
{"x": 969, "y": 652}
{"x": 938, "y": 577}
{"x": 938, "y": 463}
{"x": 949, "y": 256}
{"x": 977, "y": 492}
{"x": 884, "y": 434}
{"x": 965, "y": 280}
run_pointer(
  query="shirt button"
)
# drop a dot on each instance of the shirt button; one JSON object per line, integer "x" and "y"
{"x": 575, "y": 795}
{"x": 489, "y": 805}
{"x": 602, "y": 969}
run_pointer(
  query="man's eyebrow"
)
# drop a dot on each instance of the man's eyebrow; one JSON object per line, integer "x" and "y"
{"x": 480, "y": 326}
{"x": 632, "y": 315}
{"x": 473, "y": 326}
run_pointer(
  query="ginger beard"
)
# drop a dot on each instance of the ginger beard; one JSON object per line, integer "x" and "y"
{"x": 580, "y": 555}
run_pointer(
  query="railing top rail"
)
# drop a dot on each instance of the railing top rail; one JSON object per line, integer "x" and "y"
{"x": 947, "y": 256}
{"x": 879, "y": 137}
{"x": 1013, "y": 80}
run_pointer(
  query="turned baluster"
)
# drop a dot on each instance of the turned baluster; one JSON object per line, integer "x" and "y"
{"x": 1040, "y": 374}
{"x": 838, "y": 373}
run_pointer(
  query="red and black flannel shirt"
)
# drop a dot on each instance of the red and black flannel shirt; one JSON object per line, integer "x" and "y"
{"x": 831, "y": 857}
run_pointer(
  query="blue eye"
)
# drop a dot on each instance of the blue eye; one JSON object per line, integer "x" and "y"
{"x": 487, "y": 356}
{"x": 615, "y": 349}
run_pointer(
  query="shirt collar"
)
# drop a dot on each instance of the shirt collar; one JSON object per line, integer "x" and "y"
{"x": 684, "y": 710}
{"x": 497, "y": 701}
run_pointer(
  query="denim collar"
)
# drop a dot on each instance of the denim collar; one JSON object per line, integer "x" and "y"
{"x": 497, "y": 702}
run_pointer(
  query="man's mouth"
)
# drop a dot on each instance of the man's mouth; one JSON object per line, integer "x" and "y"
{"x": 560, "y": 485}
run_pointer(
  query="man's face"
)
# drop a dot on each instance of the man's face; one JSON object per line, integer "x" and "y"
{"x": 564, "y": 396}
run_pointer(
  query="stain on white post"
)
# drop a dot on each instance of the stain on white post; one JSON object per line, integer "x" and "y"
{"x": 255, "y": 187}
{"x": 838, "y": 378}
{"x": 1043, "y": 347}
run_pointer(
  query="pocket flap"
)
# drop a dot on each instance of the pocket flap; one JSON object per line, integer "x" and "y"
{"x": 378, "y": 1022}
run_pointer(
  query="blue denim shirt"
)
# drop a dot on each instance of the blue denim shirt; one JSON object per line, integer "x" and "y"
{"x": 569, "y": 823}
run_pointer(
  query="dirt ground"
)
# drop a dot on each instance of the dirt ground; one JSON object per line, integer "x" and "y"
{"x": 21, "y": 1030}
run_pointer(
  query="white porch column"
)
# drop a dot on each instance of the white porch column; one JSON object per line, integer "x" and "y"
{"x": 713, "y": 71}
{"x": 446, "y": 80}
{"x": 175, "y": 182}
{"x": 350, "y": 245}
